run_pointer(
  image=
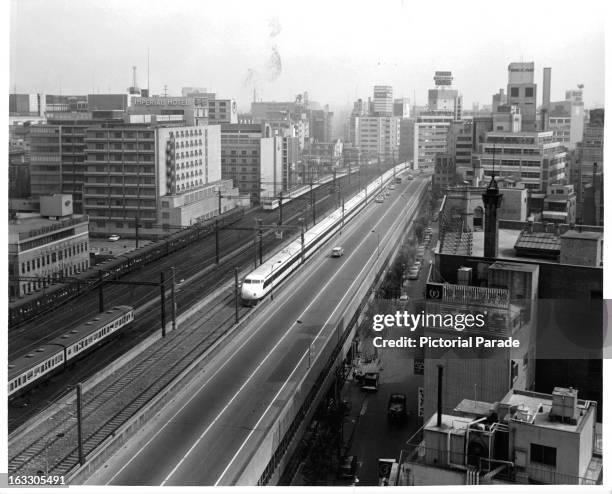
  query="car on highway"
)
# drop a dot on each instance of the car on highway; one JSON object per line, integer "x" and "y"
{"x": 396, "y": 408}
{"x": 410, "y": 177}
{"x": 380, "y": 199}
{"x": 391, "y": 187}
{"x": 413, "y": 274}
{"x": 337, "y": 251}
{"x": 113, "y": 238}
{"x": 417, "y": 265}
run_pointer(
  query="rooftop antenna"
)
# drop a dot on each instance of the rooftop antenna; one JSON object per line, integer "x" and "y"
{"x": 133, "y": 76}
{"x": 165, "y": 90}
{"x": 148, "y": 64}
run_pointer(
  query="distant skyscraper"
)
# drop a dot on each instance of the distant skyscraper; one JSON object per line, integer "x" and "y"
{"x": 522, "y": 91}
{"x": 383, "y": 101}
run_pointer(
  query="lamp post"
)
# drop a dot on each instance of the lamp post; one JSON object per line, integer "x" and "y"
{"x": 377, "y": 243}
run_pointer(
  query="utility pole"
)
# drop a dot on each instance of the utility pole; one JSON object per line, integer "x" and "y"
{"x": 219, "y": 204}
{"x": 173, "y": 295}
{"x": 312, "y": 201}
{"x": 280, "y": 208}
{"x": 163, "y": 303}
{"x": 100, "y": 291}
{"x": 137, "y": 221}
{"x": 236, "y": 293}
{"x": 301, "y": 220}
{"x": 260, "y": 233}
{"x": 343, "y": 211}
{"x": 79, "y": 391}
{"x": 217, "y": 241}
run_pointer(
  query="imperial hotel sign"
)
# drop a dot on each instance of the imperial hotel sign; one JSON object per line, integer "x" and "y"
{"x": 191, "y": 111}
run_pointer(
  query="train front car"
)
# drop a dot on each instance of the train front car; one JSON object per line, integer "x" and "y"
{"x": 252, "y": 290}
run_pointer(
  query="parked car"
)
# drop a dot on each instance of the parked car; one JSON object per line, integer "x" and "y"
{"x": 337, "y": 251}
{"x": 396, "y": 409}
{"x": 113, "y": 238}
{"x": 404, "y": 297}
{"x": 413, "y": 274}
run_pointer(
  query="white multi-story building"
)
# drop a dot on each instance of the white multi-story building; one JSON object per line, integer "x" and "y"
{"x": 431, "y": 137}
{"x": 536, "y": 157}
{"x": 143, "y": 173}
{"x": 566, "y": 120}
{"x": 378, "y": 137}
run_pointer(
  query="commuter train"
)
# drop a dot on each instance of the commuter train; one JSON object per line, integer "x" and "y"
{"x": 54, "y": 295}
{"x": 28, "y": 370}
{"x": 261, "y": 281}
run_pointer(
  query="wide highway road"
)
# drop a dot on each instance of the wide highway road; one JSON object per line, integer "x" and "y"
{"x": 209, "y": 432}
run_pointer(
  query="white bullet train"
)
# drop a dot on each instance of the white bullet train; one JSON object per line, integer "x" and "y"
{"x": 258, "y": 283}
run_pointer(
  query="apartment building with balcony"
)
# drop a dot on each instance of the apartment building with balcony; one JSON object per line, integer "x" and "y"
{"x": 139, "y": 174}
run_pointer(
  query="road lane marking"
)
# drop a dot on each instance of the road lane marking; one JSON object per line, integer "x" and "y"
{"x": 305, "y": 354}
{"x": 231, "y": 357}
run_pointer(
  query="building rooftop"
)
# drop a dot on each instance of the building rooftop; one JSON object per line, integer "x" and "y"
{"x": 534, "y": 408}
{"x": 452, "y": 422}
{"x": 582, "y": 235}
{"x": 37, "y": 225}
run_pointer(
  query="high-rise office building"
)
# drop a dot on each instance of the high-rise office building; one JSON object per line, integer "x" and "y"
{"x": 522, "y": 91}
{"x": 383, "y": 101}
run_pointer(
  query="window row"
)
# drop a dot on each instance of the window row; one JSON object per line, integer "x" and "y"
{"x": 52, "y": 257}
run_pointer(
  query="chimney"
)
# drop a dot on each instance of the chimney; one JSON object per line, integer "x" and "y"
{"x": 440, "y": 370}
{"x": 492, "y": 200}
{"x": 545, "y": 99}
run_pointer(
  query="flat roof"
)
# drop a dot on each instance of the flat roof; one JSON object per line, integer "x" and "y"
{"x": 582, "y": 235}
{"x": 534, "y": 402}
{"x": 35, "y": 223}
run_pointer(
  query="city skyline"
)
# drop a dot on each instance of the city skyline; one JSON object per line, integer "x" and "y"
{"x": 280, "y": 51}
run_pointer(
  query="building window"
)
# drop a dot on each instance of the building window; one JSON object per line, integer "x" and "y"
{"x": 528, "y": 92}
{"x": 543, "y": 454}
{"x": 514, "y": 92}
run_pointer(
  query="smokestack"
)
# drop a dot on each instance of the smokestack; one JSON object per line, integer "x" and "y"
{"x": 545, "y": 99}
{"x": 492, "y": 200}
{"x": 440, "y": 370}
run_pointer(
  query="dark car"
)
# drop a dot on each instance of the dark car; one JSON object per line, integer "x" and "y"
{"x": 396, "y": 411}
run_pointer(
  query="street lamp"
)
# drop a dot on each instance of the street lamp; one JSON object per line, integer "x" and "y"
{"x": 272, "y": 279}
{"x": 377, "y": 243}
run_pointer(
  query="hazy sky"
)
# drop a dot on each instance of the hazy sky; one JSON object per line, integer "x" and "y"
{"x": 336, "y": 50}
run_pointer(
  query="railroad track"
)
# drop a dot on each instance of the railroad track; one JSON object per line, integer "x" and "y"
{"x": 119, "y": 397}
